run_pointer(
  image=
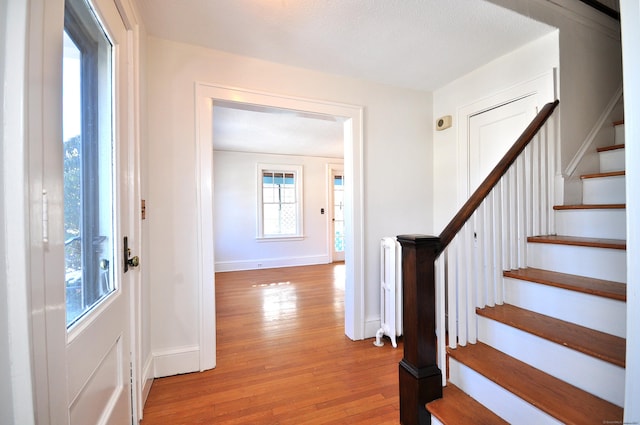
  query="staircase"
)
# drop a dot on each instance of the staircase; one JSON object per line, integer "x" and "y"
{"x": 554, "y": 352}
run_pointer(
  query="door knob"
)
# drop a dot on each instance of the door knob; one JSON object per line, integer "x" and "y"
{"x": 129, "y": 261}
{"x": 133, "y": 261}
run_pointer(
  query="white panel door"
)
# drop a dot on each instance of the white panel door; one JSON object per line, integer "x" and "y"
{"x": 492, "y": 133}
{"x": 99, "y": 213}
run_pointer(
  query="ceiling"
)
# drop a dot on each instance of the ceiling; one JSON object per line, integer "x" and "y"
{"x": 415, "y": 44}
{"x": 241, "y": 127}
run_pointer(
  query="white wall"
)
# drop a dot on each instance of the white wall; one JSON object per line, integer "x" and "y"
{"x": 590, "y": 68}
{"x": 16, "y": 391}
{"x": 6, "y": 388}
{"x": 397, "y": 169}
{"x": 518, "y": 67}
{"x": 630, "y": 10}
{"x": 235, "y": 213}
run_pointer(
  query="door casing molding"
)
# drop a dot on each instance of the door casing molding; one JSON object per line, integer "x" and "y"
{"x": 205, "y": 96}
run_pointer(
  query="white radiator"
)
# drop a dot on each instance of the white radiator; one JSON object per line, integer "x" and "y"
{"x": 390, "y": 291}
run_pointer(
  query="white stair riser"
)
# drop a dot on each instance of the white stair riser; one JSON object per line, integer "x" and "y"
{"x": 591, "y": 311}
{"x": 588, "y": 373}
{"x": 600, "y": 263}
{"x": 500, "y": 401}
{"x": 604, "y": 190}
{"x": 435, "y": 421}
{"x": 592, "y": 223}
{"x": 611, "y": 160}
{"x": 619, "y": 134}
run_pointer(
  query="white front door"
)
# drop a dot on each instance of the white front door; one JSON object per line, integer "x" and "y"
{"x": 493, "y": 132}
{"x": 336, "y": 213}
{"x": 98, "y": 213}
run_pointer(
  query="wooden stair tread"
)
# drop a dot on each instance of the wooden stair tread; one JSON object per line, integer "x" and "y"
{"x": 610, "y": 148}
{"x": 590, "y": 207}
{"x": 587, "y": 285}
{"x": 458, "y": 408}
{"x": 563, "y": 401}
{"x": 594, "y": 343}
{"x": 597, "y": 175}
{"x": 580, "y": 241}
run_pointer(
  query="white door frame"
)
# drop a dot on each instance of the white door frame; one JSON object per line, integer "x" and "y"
{"x": 205, "y": 94}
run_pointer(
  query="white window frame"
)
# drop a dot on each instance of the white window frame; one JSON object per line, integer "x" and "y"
{"x": 280, "y": 168}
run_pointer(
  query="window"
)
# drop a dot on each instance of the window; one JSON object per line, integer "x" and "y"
{"x": 279, "y": 201}
{"x": 88, "y": 160}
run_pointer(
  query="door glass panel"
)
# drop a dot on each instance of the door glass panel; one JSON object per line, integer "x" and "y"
{"x": 88, "y": 161}
{"x": 338, "y": 213}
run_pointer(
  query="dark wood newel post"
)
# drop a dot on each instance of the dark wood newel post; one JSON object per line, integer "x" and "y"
{"x": 419, "y": 375}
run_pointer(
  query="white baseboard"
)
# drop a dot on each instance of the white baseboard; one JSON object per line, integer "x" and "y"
{"x": 176, "y": 361}
{"x": 270, "y": 263}
{"x": 147, "y": 378}
{"x": 371, "y": 327}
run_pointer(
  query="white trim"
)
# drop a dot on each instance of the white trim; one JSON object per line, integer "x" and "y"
{"x": 542, "y": 86}
{"x": 353, "y": 160}
{"x": 18, "y": 408}
{"x": 176, "y": 361}
{"x": 589, "y": 140}
{"x": 140, "y": 382}
{"x": 269, "y": 263}
{"x": 631, "y": 74}
{"x": 147, "y": 379}
{"x": 586, "y": 15}
{"x": 205, "y": 249}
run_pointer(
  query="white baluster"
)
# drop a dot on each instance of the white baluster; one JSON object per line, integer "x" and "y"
{"x": 544, "y": 184}
{"x": 463, "y": 269}
{"x": 452, "y": 292}
{"x": 479, "y": 257}
{"x": 471, "y": 275}
{"x": 535, "y": 185}
{"x": 498, "y": 227}
{"x": 522, "y": 212}
{"x": 441, "y": 265}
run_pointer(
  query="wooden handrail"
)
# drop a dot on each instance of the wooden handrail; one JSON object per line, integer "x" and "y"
{"x": 467, "y": 210}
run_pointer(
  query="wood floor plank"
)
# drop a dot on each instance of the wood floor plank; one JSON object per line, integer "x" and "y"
{"x": 587, "y": 285}
{"x": 597, "y": 344}
{"x": 568, "y": 404}
{"x": 283, "y": 358}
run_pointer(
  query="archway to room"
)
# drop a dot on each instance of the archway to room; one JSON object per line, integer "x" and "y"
{"x": 351, "y": 118}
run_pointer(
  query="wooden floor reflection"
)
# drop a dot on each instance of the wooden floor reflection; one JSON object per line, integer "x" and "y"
{"x": 283, "y": 358}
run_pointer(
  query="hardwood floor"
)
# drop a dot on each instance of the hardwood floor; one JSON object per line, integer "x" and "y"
{"x": 283, "y": 358}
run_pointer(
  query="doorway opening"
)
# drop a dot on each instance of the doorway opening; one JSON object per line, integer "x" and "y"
{"x": 351, "y": 116}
